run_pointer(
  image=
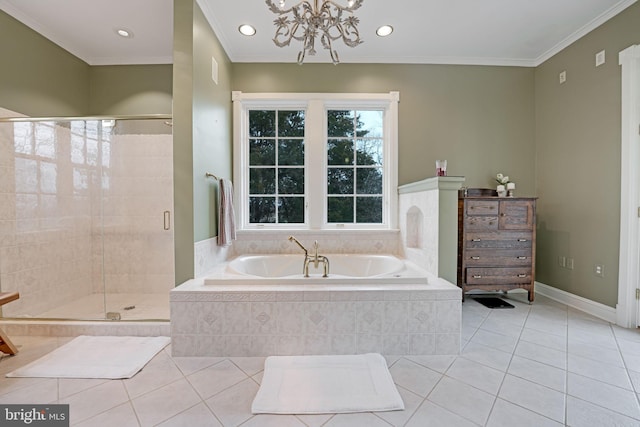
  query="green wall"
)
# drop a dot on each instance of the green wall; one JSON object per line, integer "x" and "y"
{"x": 578, "y": 145}
{"x": 130, "y": 89}
{"x": 182, "y": 139}
{"x": 481, "y": 119}
{"x": 202, "y": 131}
{"x": 37, "y": 77}
{"x": 212, "y": 125}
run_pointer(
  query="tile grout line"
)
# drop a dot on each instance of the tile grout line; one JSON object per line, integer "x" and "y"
{"x": 506, "y": 372}
{"x": 626, "y": 367}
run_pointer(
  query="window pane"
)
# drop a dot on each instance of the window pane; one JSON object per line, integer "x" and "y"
{"x": 370, "y": 123}
{"x": 340, "y": 152}
{"x": 369, "y": 152}
{"x": 369, "y": 181}
{"x": 339, "y": 123}
{"x": 369, "y": 210}
{"x": 262, "y": 209}
{"x": 262, "y": 123}
{"x": 262, "y": 181}
{"x": 291, "y": 152}
{"x": 340, "y": 180}
{"x": 45, "y": 139}
{"x": 290, "y": 123}
{"x": 291, "y": 181}
{"x": 22, "y": 137}
{"x": 291, "y": 209}
{"x": 262, "y": 152}
{"x": 340, "y": 209}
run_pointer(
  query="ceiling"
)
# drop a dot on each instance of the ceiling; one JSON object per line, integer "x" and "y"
{"x": 489, "y": 32}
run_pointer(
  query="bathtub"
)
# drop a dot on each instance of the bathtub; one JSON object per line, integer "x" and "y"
{"x": 262, "y": 305}
{"x": 345, "y": 269}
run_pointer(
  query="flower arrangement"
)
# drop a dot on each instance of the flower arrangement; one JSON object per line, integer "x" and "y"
{"x": 502, "y": 179}
{"x": 505, "y": 187}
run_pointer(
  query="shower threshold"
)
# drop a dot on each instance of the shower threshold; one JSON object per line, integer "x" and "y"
{"x": 118, "y": 307}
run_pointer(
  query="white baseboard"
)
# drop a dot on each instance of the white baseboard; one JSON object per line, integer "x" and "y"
{"x": 593, "y": 308}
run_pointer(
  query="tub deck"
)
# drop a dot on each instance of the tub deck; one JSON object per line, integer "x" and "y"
{"x": 218, "y": 318}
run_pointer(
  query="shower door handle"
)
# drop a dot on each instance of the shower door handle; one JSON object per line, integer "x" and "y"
{"x": 167, "y": 220}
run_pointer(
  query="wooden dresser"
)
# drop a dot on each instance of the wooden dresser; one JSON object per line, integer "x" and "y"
{"x": 496, "y": 242}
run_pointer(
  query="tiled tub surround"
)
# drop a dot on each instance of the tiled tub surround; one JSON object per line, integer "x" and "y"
{"x": 263, "y": 319}
{"x": 329, "y": 241}
{"x": 427, "y": 217}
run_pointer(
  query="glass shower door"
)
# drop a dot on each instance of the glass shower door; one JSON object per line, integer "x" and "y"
{"x": 137, "y": 232}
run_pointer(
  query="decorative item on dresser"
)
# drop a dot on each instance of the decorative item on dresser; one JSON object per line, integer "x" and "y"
{"x": 496, "y": 242}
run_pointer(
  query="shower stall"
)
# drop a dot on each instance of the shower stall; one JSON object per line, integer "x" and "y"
{"x": 86, "y": 228}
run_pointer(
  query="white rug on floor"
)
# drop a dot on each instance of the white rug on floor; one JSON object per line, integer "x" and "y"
{"x": 326, "y": 384}
{"x": 95, "y": 357}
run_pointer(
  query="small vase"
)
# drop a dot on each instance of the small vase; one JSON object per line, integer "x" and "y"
{"x": 501, "y": 191}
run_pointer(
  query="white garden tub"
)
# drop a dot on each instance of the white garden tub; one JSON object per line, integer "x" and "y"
{"x": 351, "y": 269}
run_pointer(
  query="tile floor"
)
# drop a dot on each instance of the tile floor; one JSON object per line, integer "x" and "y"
{"x": 539, "y": 365}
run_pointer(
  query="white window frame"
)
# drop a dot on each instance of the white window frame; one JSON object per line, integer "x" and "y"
{"x": 315, "y": 104}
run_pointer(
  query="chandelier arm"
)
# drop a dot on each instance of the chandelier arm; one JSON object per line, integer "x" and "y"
{"x": 313, "y": 21}
{"x": 356, "y": 5}
{"x": 276, "y": 9}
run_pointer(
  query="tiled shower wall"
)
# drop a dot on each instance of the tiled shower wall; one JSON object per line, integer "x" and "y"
{"x": 45, "y": 219}
{"x": 53, "y": 233}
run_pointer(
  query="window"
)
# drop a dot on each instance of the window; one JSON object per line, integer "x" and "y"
{"x": 276, "y": 166}
{"x": 355, "y": 166}
{"x": 315, "y": 161}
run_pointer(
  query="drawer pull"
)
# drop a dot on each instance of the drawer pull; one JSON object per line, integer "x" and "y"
{"x": 477, "y": 276}
{"x": 503, "y": 214}
{"x": 475, "y": 257}
{"x": 522, "y": 240}
{"x": 522, "y": 257}
{"x": 475, "y": 240}
{"x": 522, "y": 275}
{"x": 490, "y": 222}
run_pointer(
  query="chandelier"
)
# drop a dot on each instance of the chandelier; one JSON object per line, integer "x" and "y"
{"x": 305, "y": 22}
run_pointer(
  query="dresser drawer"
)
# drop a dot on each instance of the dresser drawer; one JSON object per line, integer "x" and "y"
{"x": 500, "y": 257}
{"x": 482, "y": 207}
{"x": 481, "y": 223}
{"x": 497, "y": 276}
{"x": 504, "y": 240}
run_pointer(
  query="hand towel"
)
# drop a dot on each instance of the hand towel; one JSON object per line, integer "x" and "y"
{"x": 226, "y": 214}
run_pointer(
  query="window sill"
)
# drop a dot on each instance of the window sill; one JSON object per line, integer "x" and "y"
{"x": 247, "y": 234}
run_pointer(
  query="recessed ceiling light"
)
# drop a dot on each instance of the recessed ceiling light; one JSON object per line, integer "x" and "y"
{"x": 124, "y": 33}
{"x": 246, "y": 30}
{"x": 384, "y": 31}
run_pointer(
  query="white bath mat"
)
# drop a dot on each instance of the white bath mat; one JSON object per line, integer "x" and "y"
{"x": 326, "y": 384}
{"x": 95, "y": 357}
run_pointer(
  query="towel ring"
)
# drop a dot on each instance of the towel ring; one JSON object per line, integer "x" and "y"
{"x": 210, "y": 175}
